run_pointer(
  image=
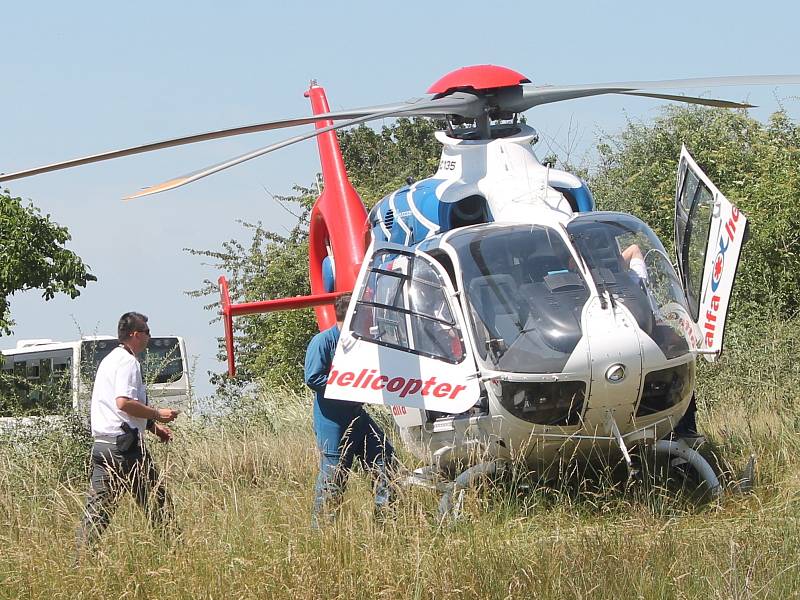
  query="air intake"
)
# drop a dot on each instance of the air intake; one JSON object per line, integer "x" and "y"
{"x": 388, "y": 219}
{"x": 557, "y": 403}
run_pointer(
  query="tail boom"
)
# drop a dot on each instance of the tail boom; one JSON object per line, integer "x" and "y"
{"x": 230, "y": 310}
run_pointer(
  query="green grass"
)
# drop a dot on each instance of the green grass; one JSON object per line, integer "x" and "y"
{"x": 242, "y": 487}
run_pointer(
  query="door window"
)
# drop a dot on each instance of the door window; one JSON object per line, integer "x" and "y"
{"x": 698, "y": 202}
{"x": 404, "y": 305}
{"x": 402, "y": 340}
{"x": 709, "y": 233}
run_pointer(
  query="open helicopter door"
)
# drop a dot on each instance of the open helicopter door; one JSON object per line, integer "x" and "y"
{"x": 709, "y": 233}
{"x": 403, "y": 340}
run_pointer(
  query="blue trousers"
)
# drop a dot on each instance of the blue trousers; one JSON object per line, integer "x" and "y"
{"x": 340, "y": 442}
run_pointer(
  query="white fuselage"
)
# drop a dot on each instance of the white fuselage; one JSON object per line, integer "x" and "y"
{"x": 572, "y": 359}
{"x": 519, "y": 189}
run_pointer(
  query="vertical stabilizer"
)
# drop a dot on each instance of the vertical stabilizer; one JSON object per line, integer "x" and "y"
{"x": 338, "y": 226}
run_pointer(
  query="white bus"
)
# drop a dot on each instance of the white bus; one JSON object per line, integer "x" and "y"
{"x": 44, "y": 377}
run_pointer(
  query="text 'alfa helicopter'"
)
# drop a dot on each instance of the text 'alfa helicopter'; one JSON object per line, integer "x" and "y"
{"x": 494, "y": 310}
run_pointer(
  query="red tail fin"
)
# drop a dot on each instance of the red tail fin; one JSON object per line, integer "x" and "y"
{"x": 338, "y": 220}
{"x": 337, "y": 231}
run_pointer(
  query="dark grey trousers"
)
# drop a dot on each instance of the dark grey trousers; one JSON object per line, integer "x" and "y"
{"x": 114, "y": 472}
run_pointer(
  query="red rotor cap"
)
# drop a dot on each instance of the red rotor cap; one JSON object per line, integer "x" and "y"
{"x": 478, "y": 77}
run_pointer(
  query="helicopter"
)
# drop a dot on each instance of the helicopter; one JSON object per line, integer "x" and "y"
{"x": 494, "y": 311}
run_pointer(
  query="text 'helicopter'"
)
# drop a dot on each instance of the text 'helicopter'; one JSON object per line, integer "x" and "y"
{"x": 494, "y": 310}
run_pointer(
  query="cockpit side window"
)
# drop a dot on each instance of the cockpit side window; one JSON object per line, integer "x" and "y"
{"x": 443, "y": 259}
{"x": 627, "y": 260}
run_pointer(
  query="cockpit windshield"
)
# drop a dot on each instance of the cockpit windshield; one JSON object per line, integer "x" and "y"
{"x": 629, "y": 265}
{"x": 525, "y": 296}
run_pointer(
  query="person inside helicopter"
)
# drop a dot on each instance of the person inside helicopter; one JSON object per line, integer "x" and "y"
{"x": 620, "y": 276}
{"x": 634, "y": 261}
{"x": 645, "y": 281}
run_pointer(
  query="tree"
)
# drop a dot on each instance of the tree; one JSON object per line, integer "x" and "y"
{"x": 33, "y": 256}
{"x": 756, "y": 166}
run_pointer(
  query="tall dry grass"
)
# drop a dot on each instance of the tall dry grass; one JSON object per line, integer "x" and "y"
{"x": 242, "y": 486}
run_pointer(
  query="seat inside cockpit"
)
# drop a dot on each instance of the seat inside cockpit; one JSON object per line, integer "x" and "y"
{"x": 499, "y": 305}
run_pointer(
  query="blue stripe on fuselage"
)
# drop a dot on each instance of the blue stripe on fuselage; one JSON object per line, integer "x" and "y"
{"x": 402, "y": 228}
{"x": 407, "y": 228}
{"x": 428, "y": 204}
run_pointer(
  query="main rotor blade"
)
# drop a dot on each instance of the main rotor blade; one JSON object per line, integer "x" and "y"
{"x": 422, "y": 106}
{"x": 693, "y": 100}
{"x": 696, "y": 82}
{"x": 456, "y": 102}
{"x": 533, "y": 95}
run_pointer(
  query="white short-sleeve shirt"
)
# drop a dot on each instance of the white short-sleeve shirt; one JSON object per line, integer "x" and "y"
{"x": 119, "y": 374}
{"x": 638, "y": 267}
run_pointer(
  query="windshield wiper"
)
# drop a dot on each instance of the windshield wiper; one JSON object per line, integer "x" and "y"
{"x": 606, "y": 290}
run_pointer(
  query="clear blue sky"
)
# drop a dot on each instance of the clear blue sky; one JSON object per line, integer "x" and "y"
{"x": 82, "y": 77}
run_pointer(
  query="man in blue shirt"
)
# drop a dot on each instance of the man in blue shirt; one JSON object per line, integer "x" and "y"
{"x": 344, "y": 432}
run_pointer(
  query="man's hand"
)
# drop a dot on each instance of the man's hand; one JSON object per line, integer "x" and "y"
{"x": 165, "y": 415}
{"x": 163, "y": 433}
{"x": 136, "y": 409}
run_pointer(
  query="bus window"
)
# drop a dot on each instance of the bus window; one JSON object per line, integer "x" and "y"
{"x": 162, "y": 361}
{"x": 37, "y": 390}
{"x": 62, "y": 372}
{"x": 32, "y": 373}
{"x": 39, "y": 378}
{"x": 46, "y": 370}
{"x": 35, "y": 383}
{"x": 92, "y": 353}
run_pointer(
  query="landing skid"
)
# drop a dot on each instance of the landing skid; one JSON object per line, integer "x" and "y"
{"x": 452, "y": 500}
{"x": 677, "y": 452}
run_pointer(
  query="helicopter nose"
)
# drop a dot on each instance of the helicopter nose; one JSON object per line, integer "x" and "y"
{"x": 615, "y": 358}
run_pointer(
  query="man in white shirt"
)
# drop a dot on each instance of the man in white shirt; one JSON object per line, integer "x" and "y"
{"x": 119, "y": 417}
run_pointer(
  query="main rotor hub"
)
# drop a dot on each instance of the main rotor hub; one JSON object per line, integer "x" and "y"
{"x": 478, "y": 78}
